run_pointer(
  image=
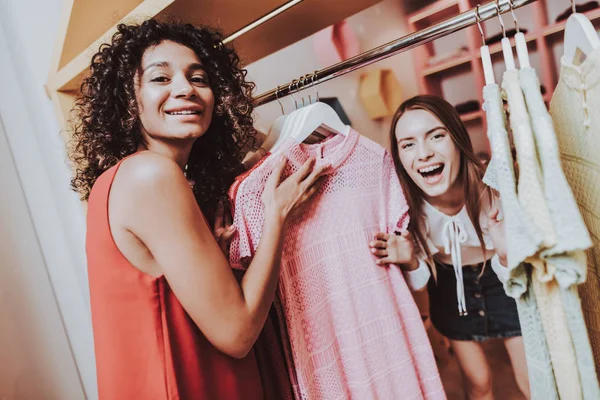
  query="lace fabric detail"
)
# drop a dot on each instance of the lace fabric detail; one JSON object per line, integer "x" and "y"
{"x": 578, "y": 136}
{"x": 579, "y": 147}
{"x": 571, "y": 232}
{"x": 533, "y": 201}
{"x": 565, "y": 260}
{"x": 523, "y": 242}
{"x": 529, "y": 187}
{"x": 558, "y": 338}
{"x": 539, "y": 365}
{"x": 354, "y": 329}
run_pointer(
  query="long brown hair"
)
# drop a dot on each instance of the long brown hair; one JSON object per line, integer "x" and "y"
{"x": 470, "y": 173}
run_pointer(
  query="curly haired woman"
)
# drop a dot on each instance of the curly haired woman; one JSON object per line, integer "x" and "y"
{"x": 163, "y": 122}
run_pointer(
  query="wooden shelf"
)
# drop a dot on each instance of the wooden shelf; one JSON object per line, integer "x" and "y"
{"x": 435, "y": 12}
{"x": 83, "y": 37}
{"x": 497, "y": 47}
{"x": 472, "y": 116}
{"x": 446, "y": 65}
{"x": 560, "y": 26}
{"x": 455, "y": 62}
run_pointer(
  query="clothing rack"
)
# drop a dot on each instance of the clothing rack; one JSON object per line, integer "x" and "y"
{"x": 408, "y": 42}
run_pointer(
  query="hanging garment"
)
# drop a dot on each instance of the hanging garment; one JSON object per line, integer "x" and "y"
{"x": 566, "y": 257}
{"x": 532, "y": 200}
{"x": 147, "y": 346}
{"x": 521, "y": 244}
{"x": 272, "y": 345}
{"x": 354, "y": 328}
{"x": 574, "y": 109}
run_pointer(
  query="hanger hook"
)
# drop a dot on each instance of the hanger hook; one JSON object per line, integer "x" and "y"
{"x": 279, "y": 101}
{"x": 304, "y": 79}
{"x": 311, "y": 81}
{"x": 292, "y": 93}
{"x": 478, "y": 17}
{"x": 314, "y": 74}
{"x": 573, "y": 6}
{"x": 301, "y": 79}
{"x": 514, "y": 17}
{"x": 497, "y": 2}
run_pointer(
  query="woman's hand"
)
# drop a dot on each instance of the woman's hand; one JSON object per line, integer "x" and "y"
{"x": 224, "y": 230}
{"x": 395, "y": 249}
{"x": 497, "y": 235}
{"x": 282, "y": 199}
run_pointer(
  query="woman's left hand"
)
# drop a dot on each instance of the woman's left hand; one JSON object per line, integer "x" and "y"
{"x": 497, "y": 234}
{"x": 224, "y": 230}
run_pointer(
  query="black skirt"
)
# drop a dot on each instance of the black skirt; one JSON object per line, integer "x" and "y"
{"x": 490, "y": 312}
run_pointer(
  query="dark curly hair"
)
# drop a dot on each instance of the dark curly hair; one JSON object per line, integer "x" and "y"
{"x": 105, "y": 124}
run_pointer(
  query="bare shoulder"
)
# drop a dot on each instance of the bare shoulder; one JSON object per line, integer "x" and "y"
{"x": 149, "y": 171}
{"x": 146, "y": 183}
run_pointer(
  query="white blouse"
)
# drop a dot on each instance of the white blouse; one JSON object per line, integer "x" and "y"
{"x": 453, "y": 240}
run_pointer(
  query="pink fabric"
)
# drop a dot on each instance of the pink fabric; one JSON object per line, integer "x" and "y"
{"x": 354, "y": 328}
{"x": 272, "y": 344}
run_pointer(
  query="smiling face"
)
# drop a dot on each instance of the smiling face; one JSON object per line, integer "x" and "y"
{"x": 427, "y": 152}
{"x": 173, "y": 93}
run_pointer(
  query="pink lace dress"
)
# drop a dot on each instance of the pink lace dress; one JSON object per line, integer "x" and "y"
{"x": 354, "y": 329}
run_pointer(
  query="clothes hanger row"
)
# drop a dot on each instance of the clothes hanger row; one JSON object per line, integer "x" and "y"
{"x": 509, "y": 60}
{"x": 309, "y": 123}
{"x": 580, "y": 38}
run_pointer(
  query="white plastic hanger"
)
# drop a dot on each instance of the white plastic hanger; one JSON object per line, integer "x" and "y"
{"x": 580, "y": 36}
{"x": 275, "y": 131}
{"x": 486, "y": 59}
{"x": 315, "y": 116}
{"x": 285, "y": 123}
{"x": 302, "y": 123}
{"x": 509, "y": 58}
{"x": 521, "y": 43}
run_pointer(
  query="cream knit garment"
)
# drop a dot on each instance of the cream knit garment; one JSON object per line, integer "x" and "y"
{"x": 522, "y": 243}
{"x": 575, "y": 110}
{"x": 533, "y": 202}
{"x": 566, "y": 258}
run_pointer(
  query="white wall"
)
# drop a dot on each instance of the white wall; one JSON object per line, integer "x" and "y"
{"x": 27, "y": 34}
{"x": 37, "y": 362}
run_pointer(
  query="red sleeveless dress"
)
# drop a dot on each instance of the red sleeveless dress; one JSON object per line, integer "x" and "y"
{"x": 147, "y": 347}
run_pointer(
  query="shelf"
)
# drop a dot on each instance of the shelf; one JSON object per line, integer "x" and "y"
{"x": 435, "y": 12}
{"x": 265, "y": 39}
{"x": 560, "y": 26}
{"x": 497, "y": 47}
{"x": 472, "y": 116}
{"x": 455, "y": 62}
{"x": 446, "y": 65}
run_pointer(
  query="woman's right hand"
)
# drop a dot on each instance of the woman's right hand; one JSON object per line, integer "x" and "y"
{"x": 395, "y": 249}
{"x": 282, "y": 199}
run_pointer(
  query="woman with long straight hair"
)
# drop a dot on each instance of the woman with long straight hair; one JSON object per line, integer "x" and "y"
{"x": 456, "y": 231}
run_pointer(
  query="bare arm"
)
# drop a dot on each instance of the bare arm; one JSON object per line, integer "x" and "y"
{"x": 164, "y": 215}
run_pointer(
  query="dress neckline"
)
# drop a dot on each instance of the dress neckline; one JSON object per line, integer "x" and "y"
{"x": 334, "y": 150}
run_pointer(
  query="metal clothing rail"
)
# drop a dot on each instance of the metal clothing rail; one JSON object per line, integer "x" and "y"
{"x": 408, "y": 42}
{"x": 261, "y": 20}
